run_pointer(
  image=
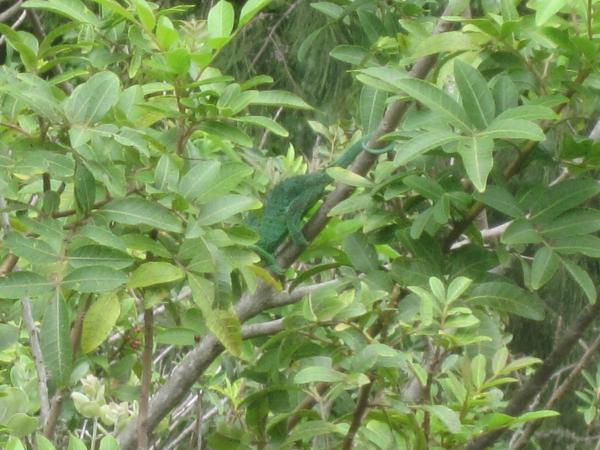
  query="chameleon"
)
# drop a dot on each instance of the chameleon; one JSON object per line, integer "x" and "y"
{"x": 287, "y": 203}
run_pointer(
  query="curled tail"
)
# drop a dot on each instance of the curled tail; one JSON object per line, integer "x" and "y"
{"x": 350, "y": 155}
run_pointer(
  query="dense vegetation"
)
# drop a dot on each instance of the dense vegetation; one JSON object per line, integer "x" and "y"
{"x": 445, "y": 297}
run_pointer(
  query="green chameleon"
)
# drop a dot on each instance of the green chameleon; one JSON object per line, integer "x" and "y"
{"x": 288, "y": 202}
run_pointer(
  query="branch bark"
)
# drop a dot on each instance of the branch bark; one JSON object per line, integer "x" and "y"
{"x": 564, "y": 387}
{"x": 38, "y": 360}
{"x": 521, "y": 398}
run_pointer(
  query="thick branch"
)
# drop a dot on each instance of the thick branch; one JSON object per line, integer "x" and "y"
{"x": 357, "y": 417}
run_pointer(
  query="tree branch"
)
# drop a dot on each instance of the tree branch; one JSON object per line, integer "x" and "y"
{"x": 143, "y": 432}
{"x": 538, "y": 380}
{"x": 557, "y": 394}
{"x": 38, "y": 360}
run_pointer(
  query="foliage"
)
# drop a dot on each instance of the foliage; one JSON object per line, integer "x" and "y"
{"x": 129, "y": 172}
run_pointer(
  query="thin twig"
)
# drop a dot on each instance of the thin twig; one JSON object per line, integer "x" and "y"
{"x": 11, "y": 11}
{"x": 38, "y": 359}
{"x": 142, "y": 421}
{"x": 14, "y": 26}
{"x": 272, "y": 32}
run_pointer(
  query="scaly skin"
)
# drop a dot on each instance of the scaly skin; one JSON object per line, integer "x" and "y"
{"x": 287, "y": 203}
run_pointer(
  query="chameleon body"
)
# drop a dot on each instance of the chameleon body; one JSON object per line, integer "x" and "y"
{"x": 287, "y": 203}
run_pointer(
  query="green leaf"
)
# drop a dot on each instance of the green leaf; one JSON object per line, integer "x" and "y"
{"x": 280, "y": 98}
{"x": 166, "y": 174}
{"x": 94, "y": 279}
{"x": 345, "y": 176}
{"x": 36, "y": 94}
{"x": 43, "y": 443}
{"x": 139, "y": 211}
{"x": 85, "y": 188}
{"x": 14, "y": 444}
{"x": 457, "y": 287}
{"x": 21, "y": 424}
{"x": 435, "y": 99}
{"x": 24, "y": 284}
{"x": 115, "y": 7}
{"x": 361, "y": 253}
{"x": 225, "y": 207}
{"x": 583, "y": 279}
{"x": 27, "y": 54}
{"x": 109, "y": 443}
{"x": 572, "y": 223}
{"x": 521, "y": 231}
{"x": 536, "y": 415}
{"x": 200, "y": 177}
{"x": 508, "y": 298}
{"x": 372, "y": 107}
{"x": 227, "y": 132}
{"x": 448, "y": 417}
{"x": 250, "y": 9}
{"x": 478, "y": 370}
{"x": 477, "y": 157}
{"x": 178, "y": 60}
{"x": 230, "y": 176}
{"x": 584, "y": 245}
{"x": 513, "y": 129}
{"x": 166, "y": 34}
{"x": 266, "y": 123}
{"x": 99, "y": 321}
{"x": 91, "y": 100}
{"x": 55, "y": 340}
{"x": 501, "y": 200}
{"x": 98, "y": 255}
{"x": 329, "y": 9}
{"x": 528, "y": 112}
{"x": 319, "y": 374}
{"x": 422, "y": 143}
{"x": 451, "y": 41}
{"x": 546, "y": 9}
{"x": 477, "y": 99}
{"x": 75, "y": 443}
{"x": 12, "y": 401}
{"x": 220, "y": 20}
{"x": 353, "y": 54}
{"x": 544, "y": 266}
{"x": 73, "y": 9}
{"x": 8, "y": 335}
{"x": 33, "y": 250}
{"x": 499, "y": 360}
{"x": 308, "y": 430}
{"x": 152, "y": 273}
{"x": 425, "y": 186}
{"x": 505, "y": 92}
{"x": 426, "y": 304}
{"x": 226, "y": 327}
{"x": 145, "y": 14}
{"x": 562, "y": 197}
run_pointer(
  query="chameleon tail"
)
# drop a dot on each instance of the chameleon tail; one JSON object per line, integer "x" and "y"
{"x": 350, "y": 155}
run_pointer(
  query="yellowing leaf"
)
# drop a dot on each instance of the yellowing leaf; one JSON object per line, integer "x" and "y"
{"x": 152, "y": 273}
{"x": 99, "y": 321}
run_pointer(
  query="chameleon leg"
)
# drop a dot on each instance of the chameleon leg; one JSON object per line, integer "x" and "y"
{"x": 269, "y": 259}
{"x": 295, "y": 213}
